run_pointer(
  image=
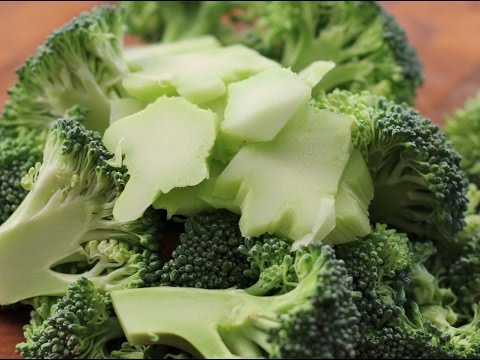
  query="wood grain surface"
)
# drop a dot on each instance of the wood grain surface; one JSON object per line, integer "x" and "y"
{"x": 444, "y": 34}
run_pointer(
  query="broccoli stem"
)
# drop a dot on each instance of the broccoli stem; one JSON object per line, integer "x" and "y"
{"x": 217, "y": 323}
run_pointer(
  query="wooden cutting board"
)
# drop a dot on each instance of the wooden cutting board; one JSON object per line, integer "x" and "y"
{"x": 444, "y": 34}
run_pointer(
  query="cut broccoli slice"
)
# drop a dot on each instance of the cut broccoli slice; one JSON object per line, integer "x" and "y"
{"x": 80, "y": 64}
{"x": 149, "y": 140}
{"x": 195, "y": 199}
{"x": 296, "y": 160}
{"x": 317, "y": 319}
{"x": 137, "y": 56}
{"x": 70, "y": 203}
{"x": 419, "y": 187}
{"x": 199, "y": 77}
{"x": 260, "y": 106}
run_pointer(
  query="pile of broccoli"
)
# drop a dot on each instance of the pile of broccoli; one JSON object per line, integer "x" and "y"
{"x": 252, "y": 183}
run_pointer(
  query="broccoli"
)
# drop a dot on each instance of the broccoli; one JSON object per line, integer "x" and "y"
{"x": 419, "y": 187}
{"x": 317, "y": 319}
{"x": 20, "y": 149}
{"x": 18, "y": 153}
{"x": 80, "y": 325}
{"x": 79, "y": 64}
{"x": 212, "y": 254}
{"x": 369, "y": 47}
{"x": 463, "y": 127}
{"x": 208, "y": 255}
{"x": 67, "y": 215}
{"x": 379, "y": 265}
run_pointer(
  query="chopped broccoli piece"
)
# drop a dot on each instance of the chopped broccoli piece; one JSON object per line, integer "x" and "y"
{"x": 463, "y": 127}
{"x": 369, "y": 47}
{"x": 157, "y": 130}
{"x": 79, "y": 64}
{"x": 139, "y": 55}
{"x": 317, "y": 319}
{"x": 70, "y": 203}
{"x": 200, "y": 76}
{"x": 419, "y": 187}
{"x": 296, "y": 159}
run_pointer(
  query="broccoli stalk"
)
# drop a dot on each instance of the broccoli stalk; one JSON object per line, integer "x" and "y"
{"x": 70, "y": 203}
{"x": 317, "y": 319}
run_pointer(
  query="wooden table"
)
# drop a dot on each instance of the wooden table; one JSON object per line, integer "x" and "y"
{"x": 444, "y": 33}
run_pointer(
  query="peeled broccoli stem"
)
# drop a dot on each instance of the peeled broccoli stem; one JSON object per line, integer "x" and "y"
{"x": 214, "y": 323}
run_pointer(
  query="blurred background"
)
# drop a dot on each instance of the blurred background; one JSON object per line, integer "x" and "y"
{"x": 444, "y": 34}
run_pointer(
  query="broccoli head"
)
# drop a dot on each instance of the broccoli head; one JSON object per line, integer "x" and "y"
{"x": 18, "y": 153}
{"x": 463, "y": 127}
{"x": 79, "y": 64}
{"x": 379, "y": 265}
{"x": 317, "y": 319}
{"x": 419, "y": 187}
{"x": 69, "y": 205}
{"x": 212, "y": 254}
{"x": 79, "y": 325}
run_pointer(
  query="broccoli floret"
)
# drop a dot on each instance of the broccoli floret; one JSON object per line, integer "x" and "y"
{"x": 407, "y": 337}
{"x": 212, "y": 254}
{"x": 369, "y": 47}
{"x": 419, "y": 187}
{"x": 463, "y": 276}
{"x": 317, "y": 319}
{"x": 379, "y": 264}
{"x": 174, "y": 20}
{"x": 79, "y": 64}
{"x": 80, "y": 325}
{"x": 18, "y": 153}
{"x": 70, "y": 203}
{"x": 463, "y": 127}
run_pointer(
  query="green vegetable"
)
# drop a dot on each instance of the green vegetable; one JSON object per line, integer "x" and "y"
{"x": 157, "y": 130}
{"x": 317, "y": 319}
{"x": 418, "y": 184}
{"x": 199, "y": 77}
{"x": 367, "y": 44}
{"x": 79, "y": 64}
{"x": 70, "y": 203}
{"x": 462, "y": 127}
{"x": 296, "y": 160}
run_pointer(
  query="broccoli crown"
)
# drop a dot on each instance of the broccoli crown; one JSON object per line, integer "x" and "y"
{"x": 379, "y": 265}
{"x": 212, "y": 254}
{"x": 18, "y": 153}
{"x": 418, "y": 184}
{"x": 463, "y": 127}
{"x": 405, "y": 338}
{"x": 208, "y": 255}
{"x": 72, "y": 194}
{"x": 79, "y": 326}
{"x": 317, "y": 319}
{"x": 463, "y": 276}
{"x": 79, "y": 64}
